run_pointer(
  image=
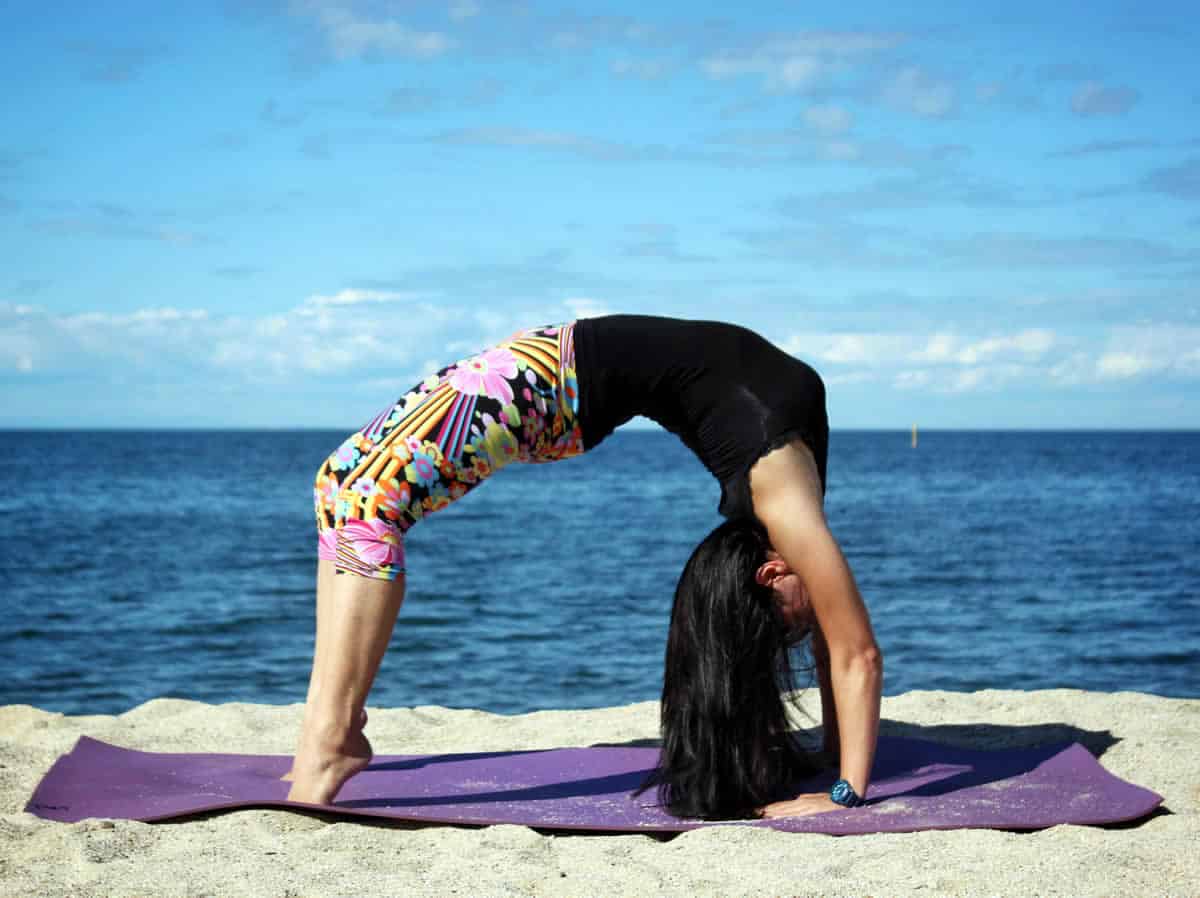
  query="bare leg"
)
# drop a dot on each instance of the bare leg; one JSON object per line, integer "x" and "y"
{"x": 325, "y": 576}
{"x": 354, "y": 626}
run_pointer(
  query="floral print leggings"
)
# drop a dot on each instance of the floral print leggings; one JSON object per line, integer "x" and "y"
{"x": 518, "y": 401}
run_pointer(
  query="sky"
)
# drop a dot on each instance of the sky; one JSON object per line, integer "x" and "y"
{"x": 284, "y": 214}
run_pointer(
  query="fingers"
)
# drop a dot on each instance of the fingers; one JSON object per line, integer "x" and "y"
{"x": 801, "y": 806}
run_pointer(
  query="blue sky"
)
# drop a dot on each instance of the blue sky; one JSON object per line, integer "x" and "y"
{"x": 282, "y": 214}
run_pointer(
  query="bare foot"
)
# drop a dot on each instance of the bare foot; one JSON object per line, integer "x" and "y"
{"x": 290, "y": 776}
{"x": 324, "y": 764}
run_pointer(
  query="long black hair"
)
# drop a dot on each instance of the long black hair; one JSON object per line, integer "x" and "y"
{"x": 726, "y": 750}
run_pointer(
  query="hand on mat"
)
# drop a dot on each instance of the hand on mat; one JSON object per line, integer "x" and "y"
{"x": 801, "y": 805}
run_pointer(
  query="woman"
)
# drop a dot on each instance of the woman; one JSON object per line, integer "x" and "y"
{"x": 754, "y": 416}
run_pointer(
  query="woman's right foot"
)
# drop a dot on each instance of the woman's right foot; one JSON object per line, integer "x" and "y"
{"x": 290, "y": 776}
{"x": 324, "y": 764}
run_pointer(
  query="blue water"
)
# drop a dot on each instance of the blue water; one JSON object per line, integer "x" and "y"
{"x": 137, "y": 565}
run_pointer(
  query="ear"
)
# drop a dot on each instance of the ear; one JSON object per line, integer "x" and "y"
{"x": 768, "y": 571}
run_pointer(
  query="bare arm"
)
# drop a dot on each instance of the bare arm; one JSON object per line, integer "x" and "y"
{"x": 787, "y": 499}
{"x": 829, "y": 722}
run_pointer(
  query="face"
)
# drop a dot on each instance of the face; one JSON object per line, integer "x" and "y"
{"x": 790, "y": 594}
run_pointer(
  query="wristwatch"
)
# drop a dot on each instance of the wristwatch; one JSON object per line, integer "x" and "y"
{"x": 843, "y": 793}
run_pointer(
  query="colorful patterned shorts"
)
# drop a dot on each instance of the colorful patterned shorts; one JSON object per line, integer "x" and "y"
{"x": 518, "y": 401}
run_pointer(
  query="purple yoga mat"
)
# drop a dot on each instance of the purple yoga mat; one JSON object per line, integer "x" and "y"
{"x": 916, "y": 785}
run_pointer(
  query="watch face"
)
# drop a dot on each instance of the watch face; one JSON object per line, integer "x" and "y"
{"x": 842, "y": 793}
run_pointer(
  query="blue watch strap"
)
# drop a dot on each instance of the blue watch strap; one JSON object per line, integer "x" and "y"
{"x": 843, "y": 793}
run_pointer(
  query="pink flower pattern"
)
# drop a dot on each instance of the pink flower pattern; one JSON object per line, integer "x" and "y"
{"x": 376, "y": 542}
{"x": 487, "y": 374}
{"x": 373, "y": 489}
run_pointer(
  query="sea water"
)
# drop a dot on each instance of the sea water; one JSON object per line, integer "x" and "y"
{"x": 143, "y": 564}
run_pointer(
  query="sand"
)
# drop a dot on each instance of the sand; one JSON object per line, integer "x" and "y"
{"x": 1150, "y": 740}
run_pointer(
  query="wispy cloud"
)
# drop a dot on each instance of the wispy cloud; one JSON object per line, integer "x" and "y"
{"x": 828, "y": 119}
{"x": 315, "y": 339}
{"x": 461, "y": 10}
{"x": 797, "y": 63}
{"x": 1094, "y": 99}
{"x": 355, "y": 30}
{"x": 940, "y": 347}
{"x": 1132, "y": 353}
{"x": 237, "y": 272}
{"x": 114, "y": 65}
{"x": 831, "y": 245}
{"x": 645, "y": 69}
{"x": 924, "y": 189}
{"x": 354, "y": 297}
{"x": 999, "y": 249}
{"x": 956, "y": 362}
{"x": 405, "y": 101}
{"x": 658, "y": 241}
{"x": 594, "y": 148}
{"x": 1068, "y": 71}
{"x": 915, "y": 90}
{"x": 1105, "y": 147}
{"x": 766, "y": 146}
{"x": 411, "y": 99}
{"x": 114, "y": 221}
{"x": 14, "y": 162}
{"x": 1181, "y": 181}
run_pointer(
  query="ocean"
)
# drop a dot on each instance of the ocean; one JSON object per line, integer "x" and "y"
{"x": 138, "y": 565}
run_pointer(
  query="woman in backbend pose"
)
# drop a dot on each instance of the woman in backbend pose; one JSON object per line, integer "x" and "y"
{"x": 770, "y": 574}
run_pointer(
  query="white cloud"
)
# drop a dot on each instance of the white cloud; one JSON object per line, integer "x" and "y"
{"x": 913, "y": 89}
{"x": 828, "y": 119}
{"x": 586, "y": 307}
{"x": 1133, "y": 351}
{"x": 796, "y": 63}
{"x": 854, "y": 377}
{"x": 645, "y": 69}
{"x": 965, "y": 381}
{"x": 463, "y": 9}
{"x": 327, "y": 337}
{"x": 948, "y": 362}
{"x": 790, "y": 73}
{"x": 848, "y": 348}
{"x": 912, "y": 380}
{"x": 352, "y": 34}
{"x": 330, "y": 341}
{"x": 350, "y": 297}
{"x": 1121, "y": 365}
{"x": 1076, "y": 368}
{"x": 1027, "y": 343}
{"x": 940, "y": 348}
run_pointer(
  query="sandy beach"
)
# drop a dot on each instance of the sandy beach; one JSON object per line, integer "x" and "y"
{"x": 1147, "y": 739}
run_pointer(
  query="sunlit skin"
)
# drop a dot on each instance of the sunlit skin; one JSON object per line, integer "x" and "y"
{"x": 795, "y": 607}
{"x": 813, "y": 584}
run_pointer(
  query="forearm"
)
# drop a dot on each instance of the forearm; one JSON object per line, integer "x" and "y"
{"x": 856, "y": 684}
{"x": 855, "y": 664}
{"x": 788, "y": 499}
{"x": 829, "y": 721}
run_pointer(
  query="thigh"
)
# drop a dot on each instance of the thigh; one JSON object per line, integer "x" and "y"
{"x": 517, "y": 401}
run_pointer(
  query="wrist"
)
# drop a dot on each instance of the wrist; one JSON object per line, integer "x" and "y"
{"x": 842, "y": 793}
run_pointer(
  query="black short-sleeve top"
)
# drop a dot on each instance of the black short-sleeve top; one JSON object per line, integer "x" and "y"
{"x": 728, "y": 393}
